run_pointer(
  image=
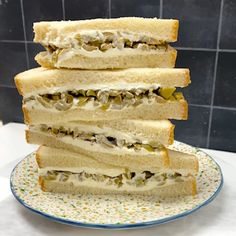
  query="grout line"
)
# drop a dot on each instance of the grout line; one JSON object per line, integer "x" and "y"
{"x": 199, "y": 105}
{"x": 109, "y": 8}
{"x": 225, "y": 108}
{"x": 205, "y": 49}
{"x": 30, "y": 42}
{"x": 215, "y": 72}
{"x": 15, "y": 41}
{"x": 12, "y": 41}
{"x": 215, "y": 107}
{"x": 63, "y": 9}
{"x": 227, "y": 50}
{"x": 7, "y": 86}
{"x": 24, "y": 30}
{"x": 197, "y": 49}
{"x": 161, "y": 9}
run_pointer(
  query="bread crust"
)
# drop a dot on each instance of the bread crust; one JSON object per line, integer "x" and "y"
{"x": 37, "y": 154}
{"x": 19, "y": 86}
{"x": 42, "y": 184}
{"x": 194, "y": 187}
{"x": 166, "y": 30}
{"x": 173, "y": 190}
{"x": 161, "y": 59}
{"x": 171, "y": 134}
{"x": 42, "y": 78}
{"x": 27, "y": 119}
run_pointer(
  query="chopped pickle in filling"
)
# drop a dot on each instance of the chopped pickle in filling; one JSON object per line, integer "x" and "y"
{"x": 105, "y": 40}
{"x": 130, "y": 178}
{"x": 166, "y": 92}
{"x": 105, "y": 99}
{"x": 93, "y": 138}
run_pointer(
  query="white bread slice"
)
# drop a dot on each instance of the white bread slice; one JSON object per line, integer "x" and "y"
{"x": 181, "y": 160}
{"x": 188, "y": 187}
{"x": 157, "y": 111}
{"x": 43, "y": 80}
{"x": 61, "y": 159}
{"x": 126, "y": 58}
{"x": 166, "y": 30}
{"x": 64, "y": 160}
{"x": 159, "y": 131}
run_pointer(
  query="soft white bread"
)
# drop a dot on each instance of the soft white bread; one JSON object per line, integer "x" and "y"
{"x": 165, "y": 30}
{"x": 188, "y": 187}
{"x": 126, "y": 58}
{"x": 159, "y": 131}
{"x": 158, "y": 111}
{"x": 181, "y": 160}
{"x": 61, "y": 159}
{"x": 137, "y": 160}
{"x": 43, "y": 80}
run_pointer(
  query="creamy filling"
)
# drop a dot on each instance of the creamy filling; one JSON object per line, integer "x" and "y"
{"x": 94, "y": 43}
{"x": 102, "y": 99}
{"x": 102, "y": 41}
{"x": 96, "y": 129}
{"x": 100, "y": 140}
{"x": 111, "y": 171}
{"x": 62, "y": 55}
{"x": 128, "y": 180}
{"x": 108, "y": 85}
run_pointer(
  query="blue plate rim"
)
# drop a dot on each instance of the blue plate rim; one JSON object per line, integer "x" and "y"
{"x": 118, "y": 226}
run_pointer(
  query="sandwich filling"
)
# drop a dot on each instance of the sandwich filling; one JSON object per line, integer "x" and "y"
{"x": 102, "y": 99}
{"x": 102, "y": 139}
{"x": 145, "y": 180}
{"x": 98, "y": 42}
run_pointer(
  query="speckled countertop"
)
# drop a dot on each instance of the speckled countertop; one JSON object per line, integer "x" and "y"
{"x": 218, "y": 218}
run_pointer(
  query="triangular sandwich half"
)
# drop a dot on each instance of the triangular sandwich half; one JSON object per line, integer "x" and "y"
{"x": 107, "y": 43}
{"x": 53, "y": 95}
{"x": 67, "y": 172}
{"x": 123, "y": 140}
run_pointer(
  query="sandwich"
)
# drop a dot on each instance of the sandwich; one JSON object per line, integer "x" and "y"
{"x": 107, "y": 43}
{"x": 61, "y": 95}
{"x": 123, "y": 140}
{"x": 67, "y": 172}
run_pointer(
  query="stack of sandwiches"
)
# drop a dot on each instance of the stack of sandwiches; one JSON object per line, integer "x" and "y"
{"x": 99, "y": 107}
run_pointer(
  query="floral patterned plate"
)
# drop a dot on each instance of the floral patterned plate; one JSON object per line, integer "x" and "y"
{"x": 114, "y": 212}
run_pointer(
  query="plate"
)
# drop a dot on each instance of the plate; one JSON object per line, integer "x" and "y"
{"x": 114, "y": 212}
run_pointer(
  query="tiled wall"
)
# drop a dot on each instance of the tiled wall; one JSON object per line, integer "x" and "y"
{"x": 207, "y": 45}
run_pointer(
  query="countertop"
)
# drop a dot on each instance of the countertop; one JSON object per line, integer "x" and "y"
{"x": 217, "y": 218}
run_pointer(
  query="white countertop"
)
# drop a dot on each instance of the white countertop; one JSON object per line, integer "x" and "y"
{"x": 218, "y": 218}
